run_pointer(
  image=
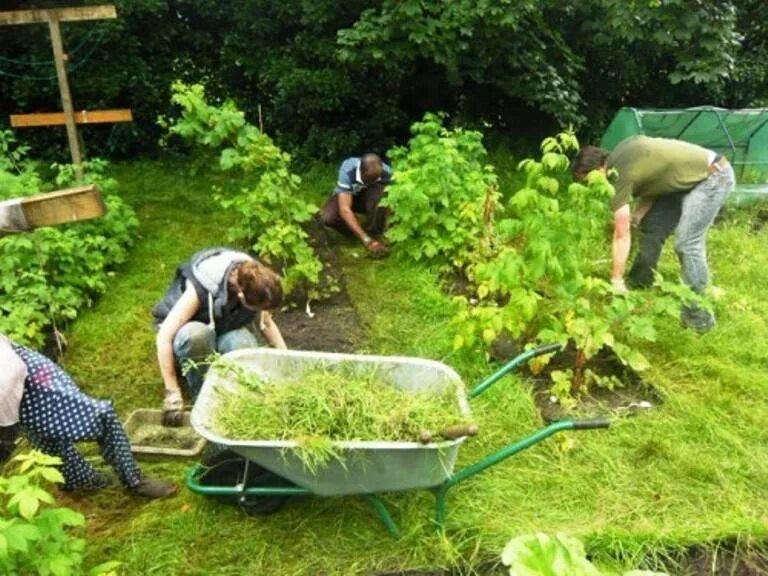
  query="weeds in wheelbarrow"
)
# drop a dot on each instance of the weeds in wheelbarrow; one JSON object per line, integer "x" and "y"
{"x": 329, "y": 404}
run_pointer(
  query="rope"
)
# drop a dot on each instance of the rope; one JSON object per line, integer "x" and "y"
{"x": 75, "y": 50}
{"x": 70, "y": 67}
{"x": 109, "y": 146}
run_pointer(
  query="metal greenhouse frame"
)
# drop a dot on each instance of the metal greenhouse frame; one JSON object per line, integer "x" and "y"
{"x": 740, "y": 135}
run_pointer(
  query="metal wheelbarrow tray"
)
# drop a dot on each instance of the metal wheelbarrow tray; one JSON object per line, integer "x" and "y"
{"x": 367, "y": 467}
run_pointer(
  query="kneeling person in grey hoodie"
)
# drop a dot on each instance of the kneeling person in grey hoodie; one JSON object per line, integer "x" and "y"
{"x": 212, "y": 300}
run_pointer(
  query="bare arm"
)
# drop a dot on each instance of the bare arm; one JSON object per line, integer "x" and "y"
{"x": 642, "y": 209}
{"x": 181, "y": 313}
{"x": 271, "y": 331}
{"x": 622, "y": 240}
{"x": 345, "y": 209}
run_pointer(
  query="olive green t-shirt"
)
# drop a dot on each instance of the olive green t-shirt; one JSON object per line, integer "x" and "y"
{"x": 649, "y": 167}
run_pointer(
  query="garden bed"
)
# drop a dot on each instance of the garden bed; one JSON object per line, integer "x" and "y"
{"x": 700, "y": 456}
{"x": 334, "y": 325}
{"x": 635, "y": 395}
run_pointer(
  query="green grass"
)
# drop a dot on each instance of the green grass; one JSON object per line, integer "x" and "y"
{"x": 693, "y": 470}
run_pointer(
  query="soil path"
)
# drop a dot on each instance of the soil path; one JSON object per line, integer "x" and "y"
{"x": 331, "y": 325}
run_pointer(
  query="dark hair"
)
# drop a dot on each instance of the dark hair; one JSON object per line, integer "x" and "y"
{"x": 260, "y": 285}
{"x": 589, "y": 158}
{"x": 371, "y": 167}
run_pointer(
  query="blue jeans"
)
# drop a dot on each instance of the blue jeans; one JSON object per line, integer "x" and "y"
{"x": 196, "y": 341}
{"x": 699, "y": 208}
{"x": 689, "y": 216}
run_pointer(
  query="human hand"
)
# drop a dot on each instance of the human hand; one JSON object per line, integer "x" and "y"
{"x": 376, "y": 248}
{"x": 173, "y": 409}
{"x": 619, "y": 286}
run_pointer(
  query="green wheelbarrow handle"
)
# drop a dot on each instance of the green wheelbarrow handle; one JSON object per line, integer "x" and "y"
{"x": 511, "y": 365}
{"x": 509, "y": 450}
{"x": 515, "y": 447}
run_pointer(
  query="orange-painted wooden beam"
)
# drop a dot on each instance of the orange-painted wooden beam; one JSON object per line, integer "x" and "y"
{"x": 81, "y": 117}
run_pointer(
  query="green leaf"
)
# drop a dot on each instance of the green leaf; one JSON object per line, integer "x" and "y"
{"x": 637, "y": 361}
{"x": 61, "y": 565}
{"x": 19, "y": 535}
{"x": 105, "y": 569}
{"x": 28, "y": 506}
{"x": 52, "y": 475}
{"x": 545, "y": 555}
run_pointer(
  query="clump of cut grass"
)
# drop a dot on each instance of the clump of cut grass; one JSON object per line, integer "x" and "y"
{"x": 328, "y": 404}
{"x": 159, "y": 436}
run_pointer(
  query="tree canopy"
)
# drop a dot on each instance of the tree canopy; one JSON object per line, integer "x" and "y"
{"x": 333, "y": 78}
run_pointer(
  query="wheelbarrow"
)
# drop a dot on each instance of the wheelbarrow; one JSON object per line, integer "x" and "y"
{"x": 369, "y": 467}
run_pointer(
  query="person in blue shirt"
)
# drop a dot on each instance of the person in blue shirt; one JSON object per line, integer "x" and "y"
{"x": 360, "y": 187}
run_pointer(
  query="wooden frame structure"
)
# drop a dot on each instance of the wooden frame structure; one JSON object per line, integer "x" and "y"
{"x": 53, "y": 17}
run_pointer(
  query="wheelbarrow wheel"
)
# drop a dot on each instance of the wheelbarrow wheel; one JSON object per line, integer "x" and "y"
{"x": 261, "y": 505}
{"x": 224, "y": 467}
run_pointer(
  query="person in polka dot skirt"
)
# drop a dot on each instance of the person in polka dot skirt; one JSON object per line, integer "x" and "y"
{"x": 55, "y": 414}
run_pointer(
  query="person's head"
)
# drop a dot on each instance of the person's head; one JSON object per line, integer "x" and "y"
{"x": 257, "y": 287}
{"x": 589, "y": 158}
{"x": 371, "y": 168}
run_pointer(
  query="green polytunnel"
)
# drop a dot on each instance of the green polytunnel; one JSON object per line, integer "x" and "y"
{"x": 741, "y": 135}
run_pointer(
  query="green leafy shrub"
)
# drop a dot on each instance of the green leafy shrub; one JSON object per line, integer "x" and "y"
{"x": 270, "y": 209}
{"x": 540, "y": 282}
{"x": 36, "y": 536}
{"x": 47, "y": 275}
{"x": 443, "y": 197}
{"x": 559, "y": 555}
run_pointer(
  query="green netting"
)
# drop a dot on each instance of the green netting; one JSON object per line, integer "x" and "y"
{"x": 740, "y": 135}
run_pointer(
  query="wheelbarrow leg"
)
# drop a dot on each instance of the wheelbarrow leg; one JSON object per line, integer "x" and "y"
{"x": 384, "y": 514}
{"x": 440, "y": 497}
{"x": 441, "y": 491}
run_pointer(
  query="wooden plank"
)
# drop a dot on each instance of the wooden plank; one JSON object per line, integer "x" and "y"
{"x": 104, "y": 12}
{"x": 51, "y": 208}
{"x": 81, "y": 117}
{"x": 66, "y": 98}
{"x": 62, "y": 206}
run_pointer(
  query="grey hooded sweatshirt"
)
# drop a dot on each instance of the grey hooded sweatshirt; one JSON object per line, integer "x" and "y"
{"x": 208, "y": 271}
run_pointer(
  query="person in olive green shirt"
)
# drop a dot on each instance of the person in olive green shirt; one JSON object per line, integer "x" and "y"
{"x": 679, "y": 187}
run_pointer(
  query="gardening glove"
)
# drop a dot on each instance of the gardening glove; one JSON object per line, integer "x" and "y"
{"x": 173, "y": 409}
{"x": 619, "y": 287}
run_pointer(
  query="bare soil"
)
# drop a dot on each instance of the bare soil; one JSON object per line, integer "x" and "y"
{"x": 635, "y": 394}
{"x": 699, "y": 561}
{"x": 696, "y": 561}
{"x": 335, "y": 326}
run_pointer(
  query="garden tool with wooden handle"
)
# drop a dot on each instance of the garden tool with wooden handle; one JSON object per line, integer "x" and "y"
{"x": 449, "y": 433}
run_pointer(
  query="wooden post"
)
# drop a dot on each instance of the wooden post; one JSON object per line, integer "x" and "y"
{"x": 66, "y": 98}
{"x": 53, "y": 17}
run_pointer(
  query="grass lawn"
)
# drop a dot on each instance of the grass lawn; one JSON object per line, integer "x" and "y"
{"x": 693, "y": 470}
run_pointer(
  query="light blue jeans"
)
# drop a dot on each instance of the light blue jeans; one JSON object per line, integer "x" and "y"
{"x": 195, "y": 341}
{"x": 699, "y": 208}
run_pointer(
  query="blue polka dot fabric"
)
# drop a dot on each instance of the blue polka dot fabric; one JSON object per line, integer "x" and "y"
{"x": 56, "y": 414}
